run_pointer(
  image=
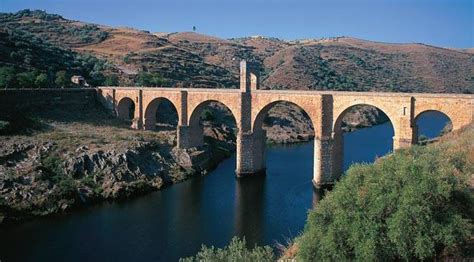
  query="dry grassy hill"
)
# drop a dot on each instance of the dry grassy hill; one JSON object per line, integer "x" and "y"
{"x": 192, "y": 59}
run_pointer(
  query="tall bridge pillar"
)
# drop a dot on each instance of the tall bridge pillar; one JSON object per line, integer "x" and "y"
{"x": 406, "y": 130}
{"x": 327, "y": 166}
{"x": 251, "y": 153}
{"x": 137, "y": 121}
{"x": 323, "y": 173}
{"x": 250, "y": 143}
{"x": 189, "y": 136}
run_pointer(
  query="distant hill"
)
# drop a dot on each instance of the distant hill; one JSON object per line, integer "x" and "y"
{"x": 191, "y": 59}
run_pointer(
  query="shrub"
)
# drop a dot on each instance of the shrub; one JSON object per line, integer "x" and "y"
{"x": 412, "y": 205}
{"x": 7, "y": 77}
{"x": 52, "y": 165}
{"x": 149, "y": 79}
{"x": 111, "y": 80}
{"x": 235, "y": 251}
{"x": 62, "y": 79}
{"x": 53, "y": 172}
{"x": 26, "y": 79}
{"x": 41, "y": 81}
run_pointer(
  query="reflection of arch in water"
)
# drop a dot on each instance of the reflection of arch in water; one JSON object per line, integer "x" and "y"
{"x": 160, "y": 110}
{"x": 431, "y": 124}
{"x": 126, "y": 108}
{"x": 338, "y": 135}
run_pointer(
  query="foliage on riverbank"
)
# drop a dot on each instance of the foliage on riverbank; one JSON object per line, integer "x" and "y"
{"x": 235, "y": 251}
{"x": 414, "y": 204}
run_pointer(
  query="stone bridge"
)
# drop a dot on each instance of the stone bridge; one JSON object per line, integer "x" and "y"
{"x": 249, "y": 106}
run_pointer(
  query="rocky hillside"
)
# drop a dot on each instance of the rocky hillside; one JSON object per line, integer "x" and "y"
{"x": 192, "y": 59}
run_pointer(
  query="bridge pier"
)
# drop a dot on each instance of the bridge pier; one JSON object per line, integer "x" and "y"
{"x": 189, "y": 136}
{"x": 251, "y": 153}
{"x": 324, "y": 169}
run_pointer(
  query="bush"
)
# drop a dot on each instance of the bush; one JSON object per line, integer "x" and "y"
{"x": 149, "y": 79}
{"x": 26, "y": 79}
{"x": 62, "y": 79}
{"x": 412, "y": 205}
{"x": 53, "y": 172}
{"x": 52, "y": 166}
{"x": 235, "y": 251}
{"x": 41, "y": 81}
{"x": 111, "y": 80}
{"x": 7, "y": 77}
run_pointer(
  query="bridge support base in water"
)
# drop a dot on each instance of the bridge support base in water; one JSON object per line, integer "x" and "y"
{"x": 261, "y": 172}
{"x": 320, "y": 186}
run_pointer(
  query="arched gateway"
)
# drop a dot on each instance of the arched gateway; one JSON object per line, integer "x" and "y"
{"x": 325, "y": 109}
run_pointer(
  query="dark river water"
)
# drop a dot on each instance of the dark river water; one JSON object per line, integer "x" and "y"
{"x": 174, "y": 222}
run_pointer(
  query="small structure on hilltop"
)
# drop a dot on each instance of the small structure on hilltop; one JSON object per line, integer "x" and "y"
{"x": 79, "y": 80}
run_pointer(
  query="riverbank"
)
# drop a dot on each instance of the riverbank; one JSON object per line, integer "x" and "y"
{"x": 56, "y": 160}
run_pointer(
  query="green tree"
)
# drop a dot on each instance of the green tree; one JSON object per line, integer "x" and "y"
{"x": 143, "y": 79}
{"x": 149, "y": 79}
{"x": 41, "y": 81}
{"x": 7, "y": 77}
{"x": 96, "y": 79}
{"x": 62, "y": 79}
{"x": 411, "y": 205}
{"x": 157, "y": 80}
{"x": 111, "y": 80}
{"x": 26, "y": 79}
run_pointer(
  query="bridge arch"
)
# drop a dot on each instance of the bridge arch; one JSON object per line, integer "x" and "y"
{"x": 152, "y": 111}
{"x": 196, "y": 107}
{"x": 259, "y": 135}
{"x": 126, "y": 108}
{"x": 196, "y": 131}
{"x": 260, "y": 117}
{"x": 431, "y": 124}
{"x": 338, "y": 136}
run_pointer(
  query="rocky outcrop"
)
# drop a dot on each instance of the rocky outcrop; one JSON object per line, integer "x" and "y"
{"x": 36, "y": 179}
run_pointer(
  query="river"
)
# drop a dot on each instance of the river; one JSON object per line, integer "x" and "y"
{"x": 174, "y": 222}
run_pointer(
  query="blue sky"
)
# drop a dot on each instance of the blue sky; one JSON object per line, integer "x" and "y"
{"x": 447, "y": 23}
